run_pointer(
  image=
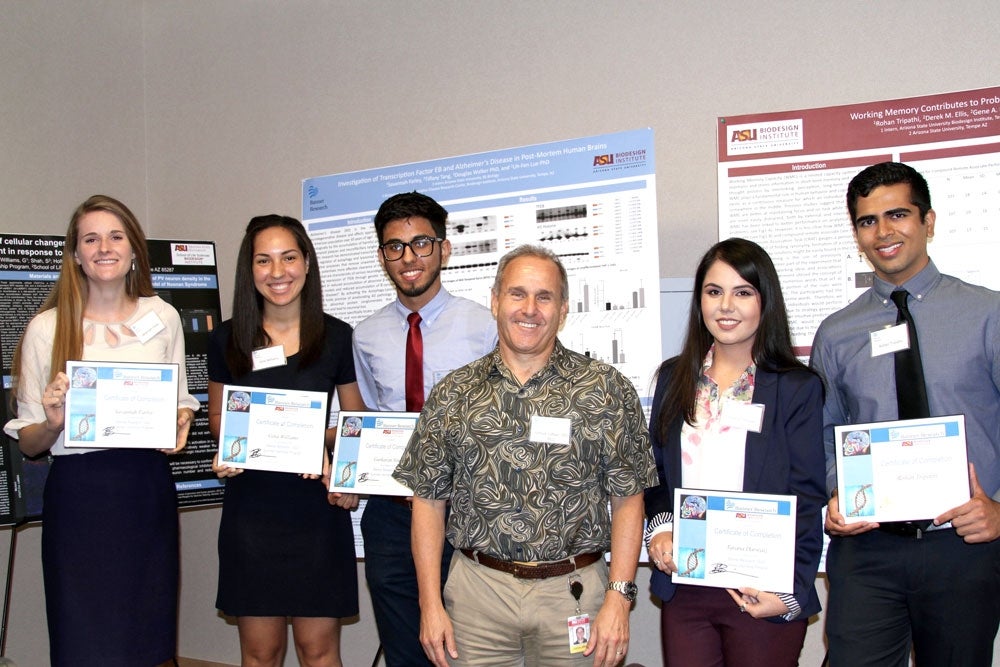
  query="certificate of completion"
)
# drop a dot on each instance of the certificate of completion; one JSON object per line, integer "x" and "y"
{"x": 273, "y": 429}
{"x": 121, "y": 404}
{"x": 907, "y": 470}
{"x": 728, "y": 539}
{"x": 368, "y": 448}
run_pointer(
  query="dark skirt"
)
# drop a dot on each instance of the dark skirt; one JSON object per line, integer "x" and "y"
{"x": 110, "y": 559}
{"x": 284, "y": 550}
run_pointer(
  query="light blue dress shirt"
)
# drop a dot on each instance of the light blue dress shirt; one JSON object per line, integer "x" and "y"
{"x": 455, "y": 331}
{"x": 958, "y": 327}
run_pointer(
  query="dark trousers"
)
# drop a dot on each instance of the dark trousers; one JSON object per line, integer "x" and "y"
{"x": 937, "y": 593}
{"x": 392, "y": 580}
{"x": 704, "y": 627}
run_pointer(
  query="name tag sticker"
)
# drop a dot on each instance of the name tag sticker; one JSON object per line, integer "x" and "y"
{"x": 269, "y": 357}
{"x": 749, "y": 417}
{"x": 889, "y": 340}
{"x": 147, "y": 326}
{"x": 554, "y": 430}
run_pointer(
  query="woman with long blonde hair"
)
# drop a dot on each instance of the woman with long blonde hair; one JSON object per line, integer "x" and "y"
{"x": 110, "y": 554}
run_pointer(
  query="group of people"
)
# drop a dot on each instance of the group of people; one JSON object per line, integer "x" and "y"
{"x": 521, "y": 447}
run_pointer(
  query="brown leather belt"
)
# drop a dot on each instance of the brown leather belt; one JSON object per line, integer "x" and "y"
{"x": 539, "y": 571}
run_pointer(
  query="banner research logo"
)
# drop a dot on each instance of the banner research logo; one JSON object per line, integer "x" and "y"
{"x": 315, "y": 202}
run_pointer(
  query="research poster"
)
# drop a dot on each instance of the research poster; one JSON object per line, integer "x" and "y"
{"x": 783, "y": 180}
{"x": 592, "y": 201}
{"x": 185, "y": 275}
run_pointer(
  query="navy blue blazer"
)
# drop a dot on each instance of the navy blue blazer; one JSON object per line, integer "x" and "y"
{"x": 786, "y": 457}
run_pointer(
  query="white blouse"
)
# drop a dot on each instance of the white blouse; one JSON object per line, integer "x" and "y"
{"x": 102, "y": 342}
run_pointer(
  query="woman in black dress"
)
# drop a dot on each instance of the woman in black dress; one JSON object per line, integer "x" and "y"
{"x": 284, "y": 551}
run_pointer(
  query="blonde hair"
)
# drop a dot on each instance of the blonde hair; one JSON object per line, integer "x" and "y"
{"x": 69, "y": 294}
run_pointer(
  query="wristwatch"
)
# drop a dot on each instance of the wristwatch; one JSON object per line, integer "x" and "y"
{"x": 626, "y": 588}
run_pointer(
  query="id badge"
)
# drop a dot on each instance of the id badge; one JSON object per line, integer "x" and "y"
{"x": 891, "y": 339}
{"x": 747, "y": 416}
{"x": 578, "y": 628}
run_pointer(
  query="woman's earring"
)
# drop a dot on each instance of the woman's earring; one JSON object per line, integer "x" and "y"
{"x": 133, "y": 263}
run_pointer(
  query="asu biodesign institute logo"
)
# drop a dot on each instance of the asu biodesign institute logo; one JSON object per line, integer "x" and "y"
{"x": 782, "y": 135}
{"x": 604, "y": 162}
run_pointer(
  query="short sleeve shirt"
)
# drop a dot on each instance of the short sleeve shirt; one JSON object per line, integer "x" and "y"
{"x": 515, "y": 497}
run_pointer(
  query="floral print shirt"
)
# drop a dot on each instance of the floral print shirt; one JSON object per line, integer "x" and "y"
{"x": 516, "y": 496}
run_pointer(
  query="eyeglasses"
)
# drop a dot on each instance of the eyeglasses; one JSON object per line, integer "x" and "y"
{"x": 422, "y": 246}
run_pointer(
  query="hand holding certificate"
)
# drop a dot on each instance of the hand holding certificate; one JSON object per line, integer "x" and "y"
{"x": 907, "y": 470}
{"x": 368, "y": 448}
{"x": 273, "y": 429}
{"x": 121, "y": 405}
{"x": 727, "y": 539}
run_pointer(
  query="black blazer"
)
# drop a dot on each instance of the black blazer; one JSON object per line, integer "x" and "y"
{"x": 786, "y": 457}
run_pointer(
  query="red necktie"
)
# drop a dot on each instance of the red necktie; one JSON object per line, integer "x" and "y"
{"x": 414, "y": 365}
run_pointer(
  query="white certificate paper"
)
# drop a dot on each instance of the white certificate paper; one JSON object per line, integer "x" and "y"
{"x": 728, "y": 539}
{"x": 907, "y": 470}
{"x": 121, "y": 405}
{"x": 367, "y": 450}
{"x": 273, "y": 429}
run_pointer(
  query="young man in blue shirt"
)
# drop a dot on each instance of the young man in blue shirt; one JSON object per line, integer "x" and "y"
{"x": 413, "y": 249}
{"x": 933, "y": 585}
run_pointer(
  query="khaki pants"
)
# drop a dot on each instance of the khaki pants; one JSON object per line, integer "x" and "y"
{"x": 503, "y": 621}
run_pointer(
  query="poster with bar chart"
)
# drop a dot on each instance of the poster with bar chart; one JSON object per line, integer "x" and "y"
{"x": 591, "y": 200}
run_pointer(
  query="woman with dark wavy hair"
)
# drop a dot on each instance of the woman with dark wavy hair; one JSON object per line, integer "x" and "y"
{"x": 737, "y": 351}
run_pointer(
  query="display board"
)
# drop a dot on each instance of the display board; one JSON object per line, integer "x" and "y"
{"x": 783, "y": 181}
{"x": 591, "y": 200}
{"x": 185, "y": 275}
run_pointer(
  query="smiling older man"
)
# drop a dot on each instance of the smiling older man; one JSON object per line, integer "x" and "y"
{"x": 529, "y": 444}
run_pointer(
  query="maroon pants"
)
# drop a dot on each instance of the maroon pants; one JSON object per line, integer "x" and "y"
{"x": 703, "y": 626}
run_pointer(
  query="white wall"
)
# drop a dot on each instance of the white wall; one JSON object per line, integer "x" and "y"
{"x": 72, "y": 109}
{"x": 202, "y": 113}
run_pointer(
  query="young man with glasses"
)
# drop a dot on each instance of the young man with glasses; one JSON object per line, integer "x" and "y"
{"x": 454, "y": 331}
